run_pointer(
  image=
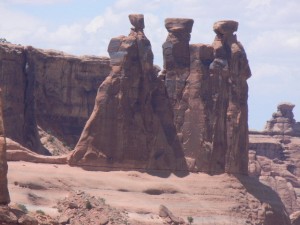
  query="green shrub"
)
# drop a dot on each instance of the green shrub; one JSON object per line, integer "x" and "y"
{"x": 190, "y": 219}
{"x": 88, "y": 205}
{"x": 22, "y": 207}
{"x": 40, "y": 212}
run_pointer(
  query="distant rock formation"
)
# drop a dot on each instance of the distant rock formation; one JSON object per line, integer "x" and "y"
{"x": 131, "y": 126}
{"x": 283, "y": 121}
{"x": 51, "y": 89}
{"x": 208, "y": 88}
{"x": 4, "y": 195}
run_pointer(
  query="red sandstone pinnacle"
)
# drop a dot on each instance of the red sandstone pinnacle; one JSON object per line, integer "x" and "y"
{"x": 131, "y": 126}
{"x": 225, "y": 27}
{"x": 208, "y": 88}
{"x": 4, "y": 195}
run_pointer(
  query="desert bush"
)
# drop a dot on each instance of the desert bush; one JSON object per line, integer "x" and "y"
{"x": 39, "y": 211}
{"x": 88, "y": 205}
{"x": 190, "y": 219}
{"x": 22, "y": 207}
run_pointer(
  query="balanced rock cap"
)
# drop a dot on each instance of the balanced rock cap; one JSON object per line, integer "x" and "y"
{"x": 225, "y": 27}
{"x": 179, "y": 24}
{"x": 285, "y": 106}
{"x": 137, "y": 20}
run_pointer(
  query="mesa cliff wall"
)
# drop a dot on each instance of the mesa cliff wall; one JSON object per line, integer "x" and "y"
{"x": 48, "y": 88}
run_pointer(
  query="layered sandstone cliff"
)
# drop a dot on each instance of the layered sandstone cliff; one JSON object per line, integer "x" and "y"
{"x": 132, "y": 122}
{"x": 48, "y": 88}
{"x": 17, "y": 86}
{"x": 208, "y": 88}
{"x": 274, "y": 156}
{"x": 4, "y": 195}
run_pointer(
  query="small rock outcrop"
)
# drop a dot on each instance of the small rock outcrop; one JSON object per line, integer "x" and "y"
{"x": 208, "y": 88}
{"x": 131, "y": 126}
{"x": 283, "y": 121}
{"x": 4, "y": 195}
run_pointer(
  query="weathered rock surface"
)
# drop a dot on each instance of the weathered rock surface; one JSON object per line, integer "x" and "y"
{"x": 50, "y": 88}
{"x": 16, "y": 152}
{"x": 4, "y": 195}
{"x": 208, "y": 88}
{"x": 165, "y": 213}
{"x": 17, "y": 87}
{"x": 132, "y": 122}
{"x": 176, "y": 58}
{"x": 295, "y": 218}
{"x": 276, "y": 163}
{"x": 65, "y": 90}
{"x": 283, "y": 121}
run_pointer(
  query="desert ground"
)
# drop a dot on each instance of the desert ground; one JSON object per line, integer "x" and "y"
{"x": 139, "y": 195}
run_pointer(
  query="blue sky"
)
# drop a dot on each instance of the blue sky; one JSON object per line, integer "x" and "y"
{"x": 268, "y": 29}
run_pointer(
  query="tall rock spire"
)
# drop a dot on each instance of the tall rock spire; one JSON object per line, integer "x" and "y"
{"x": 131, "y": 126}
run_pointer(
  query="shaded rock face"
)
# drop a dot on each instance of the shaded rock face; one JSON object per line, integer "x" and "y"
{"x": 51, "y": 89}
{"x": 209, "y": 92}
{"x": 65, "y": 90}
{"x": 4, "y": 195}
{"x": 132, "y": 122}
{"x": 283, "y": 121}
{"x": 17, "y": 87}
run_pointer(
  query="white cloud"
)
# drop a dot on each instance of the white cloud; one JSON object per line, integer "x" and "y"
{"x": 95, "y": 24}
{"x": 39, "y": 2}
{"x": 258, "y": 3}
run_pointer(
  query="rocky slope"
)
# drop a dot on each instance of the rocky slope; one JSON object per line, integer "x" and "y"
{"x": 132, "y": 122}
{"x": 208, "y": 88}
{"x": 274, "y": 156}
{"x": 48, "y": 88}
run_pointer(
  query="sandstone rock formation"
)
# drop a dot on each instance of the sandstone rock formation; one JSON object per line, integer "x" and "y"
{"x": 48, "y": 88}
{"x": 275, "y": 161}
{"x": 65, "y": 89}
{"x": 208, "y": 86}
{"x": 4, "y": 195}
{"x": 283, "y": 121}
{"x": 132, "y": 122}
{"x": 17, "y": 87}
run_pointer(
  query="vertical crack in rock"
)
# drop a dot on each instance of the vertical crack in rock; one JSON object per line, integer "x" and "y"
{"x": 132, "y": 122}
{"x": 31, "y": 136}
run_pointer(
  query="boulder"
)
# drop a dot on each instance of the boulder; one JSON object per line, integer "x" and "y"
{"x": 131, "y": 126}
{"x": 295, "y": 218}
{"x": 225, "y": 27}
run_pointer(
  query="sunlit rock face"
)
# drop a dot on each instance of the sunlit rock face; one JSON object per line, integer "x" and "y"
{"x": 283, "y": 121}
{"x": 208, "y": 88}
{"x": 131, "y": 126}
